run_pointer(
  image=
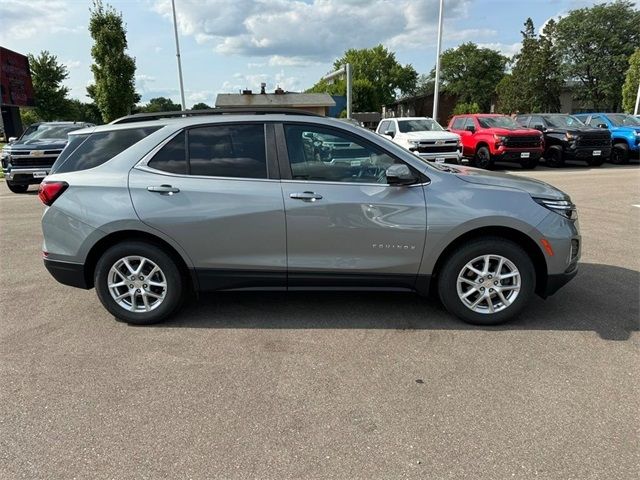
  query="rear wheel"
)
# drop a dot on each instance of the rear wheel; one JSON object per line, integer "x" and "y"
{"x": 17, "y": 187}
{"x": 138, "y": 282}
{"x": 487, "y": 281}
{"x": 482, "y": 158}
{"x": 554, "y": 157}
{"x": 620, "y": 154}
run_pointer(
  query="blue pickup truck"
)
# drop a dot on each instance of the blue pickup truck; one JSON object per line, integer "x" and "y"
{"x": 625, "y": 133}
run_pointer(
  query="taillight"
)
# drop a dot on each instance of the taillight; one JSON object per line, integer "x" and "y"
{"x": 50, "y": 191}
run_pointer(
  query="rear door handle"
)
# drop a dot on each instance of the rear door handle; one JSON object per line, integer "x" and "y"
{"x": 306, "y": 196}
{"x": 168, "y": 189}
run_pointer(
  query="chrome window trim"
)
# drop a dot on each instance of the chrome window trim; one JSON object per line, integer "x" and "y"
{"x": 146, "y": 168}
{"x": 324, "y": 182}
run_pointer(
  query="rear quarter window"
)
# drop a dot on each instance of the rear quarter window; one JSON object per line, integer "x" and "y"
{"x": 89, "y": 151}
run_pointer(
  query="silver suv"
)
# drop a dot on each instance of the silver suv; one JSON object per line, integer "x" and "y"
{"x": 151, "y": 207}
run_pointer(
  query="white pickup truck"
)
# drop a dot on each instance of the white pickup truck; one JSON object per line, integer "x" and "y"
{"x": 424, "y": 137}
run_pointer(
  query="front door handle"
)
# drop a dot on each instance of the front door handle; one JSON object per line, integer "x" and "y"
{"x": 164, "y": 189}
{"x": 306, "y": 196}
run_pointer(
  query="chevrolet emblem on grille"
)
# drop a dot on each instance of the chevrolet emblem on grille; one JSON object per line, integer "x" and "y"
{"x": 37, "y": 153}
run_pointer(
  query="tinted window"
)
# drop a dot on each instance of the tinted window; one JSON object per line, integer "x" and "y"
{"x": 99, "y": 148}
{"x": 522, "y": 120}
{"x": 535, "y": 121}
{"x": 469, "y": 122}
{"x": 172, "y": 157}
{"x": 458, "y": 123}
{"x": 74, "y": 142}
{"x": 228, "y": 151}
{"x": 322, "y": 154}
{"x": 419, "y": 125}
{"x": 596, "y": 120}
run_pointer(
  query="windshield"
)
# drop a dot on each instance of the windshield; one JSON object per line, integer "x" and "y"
{"x": 53, "y": 132}
{"x": 419, "y": 125}
{"x": 498, "y": 122}
{"x": 623, "y": 120}
{"x": 563, "y": 121}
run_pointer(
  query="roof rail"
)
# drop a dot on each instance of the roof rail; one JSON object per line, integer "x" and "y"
{"x": 145, "y": 117}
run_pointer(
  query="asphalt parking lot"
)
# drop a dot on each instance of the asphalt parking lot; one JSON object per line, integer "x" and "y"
{"x": 328, "y": 385}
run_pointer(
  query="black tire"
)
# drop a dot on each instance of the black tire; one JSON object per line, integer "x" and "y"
{"x": 17, "y": 187}
{"x": 620, "y": 154}
{"x": 529, "y": 163}
{"x": 174, "y": 282}
{"x": 482, "y": 158}
{"x": 453, "y": 266}
{"x": 554, "y": 157}
{"x": 595, "y": 161}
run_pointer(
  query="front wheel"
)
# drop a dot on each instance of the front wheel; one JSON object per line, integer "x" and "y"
{"x": 620, "y": 154}
{"x": 554, "y": 157}
{"x": 138, "y": 282}
{"x": 17, "y": 187}
{"x": 482, "y": 158}
{"x": 487, "y": 281}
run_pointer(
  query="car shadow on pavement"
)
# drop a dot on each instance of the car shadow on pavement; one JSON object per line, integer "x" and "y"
{"x": 602, "y": 298}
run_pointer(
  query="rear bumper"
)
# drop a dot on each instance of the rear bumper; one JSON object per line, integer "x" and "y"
{"x": 67, "y": 273}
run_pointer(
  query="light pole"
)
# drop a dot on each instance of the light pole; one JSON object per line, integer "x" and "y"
{"x": 346, "y": 71}
{"x": 175, "y": 30}
{"x": 635, "y": 110}
{"x": 436, "y": 88}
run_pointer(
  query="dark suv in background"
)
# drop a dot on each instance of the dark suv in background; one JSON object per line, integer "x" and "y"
{"x": 29, "y": 159}
{"x": 567, "y": 138}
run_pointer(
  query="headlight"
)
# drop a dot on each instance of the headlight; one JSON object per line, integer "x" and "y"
{"x": 415, "y": 143}
{"x": 561, "y": 207}
{"x": 570, "y": 136}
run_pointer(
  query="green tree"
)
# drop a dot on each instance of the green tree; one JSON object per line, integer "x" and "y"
{"x": 28, "y": 116}
{"x": 472, "y": 73}
{"x": 464, "y": 108}
{"x": 200, "y": 106}
{"x": 50, "y": 95}
{"x": 79, "y": 111}
{"x": 160, "y": 104}
{"x": 596, "y": 44}
{"x": 536, "y": 78}
{"x": 113, "y": 70}
{"x": 630, "y": 87}
{"x": 378, "y": 78}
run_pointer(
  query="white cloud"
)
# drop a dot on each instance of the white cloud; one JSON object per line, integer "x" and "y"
{"x": 506, "y": 49}
{"x": 72, "y": 64}
{"x": 294, "y": 32}
{"x": 22, "y": 20}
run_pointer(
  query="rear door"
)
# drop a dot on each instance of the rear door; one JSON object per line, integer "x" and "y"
{"x": 346, "y": 226}
{"x": 214, "y": 189}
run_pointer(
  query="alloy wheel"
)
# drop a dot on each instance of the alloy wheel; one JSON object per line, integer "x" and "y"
{"x": 488, "y": 284}
{"x": 137, "y": 284}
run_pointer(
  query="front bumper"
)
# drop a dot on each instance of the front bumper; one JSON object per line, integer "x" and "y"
{"x": 586, "y": 153}
{"x": 26, "y": 175}
{"x": 515, "y": 155}
{"x": 556, "y": 282}
{"x": 67, "y": 273}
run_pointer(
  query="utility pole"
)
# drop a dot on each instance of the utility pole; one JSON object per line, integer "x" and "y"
{"x": 175, "y": 31}
{"x": 635, "y": 110}
{"x": 436, "y": 88}
{"x": 346, "y": 71}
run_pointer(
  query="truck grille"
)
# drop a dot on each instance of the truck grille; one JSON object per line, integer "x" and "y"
{"x": 523, "y": 141}
{"x": 431, "y": 147}
{"x": 594, "y": 141}
{"x": 32, "y": 162}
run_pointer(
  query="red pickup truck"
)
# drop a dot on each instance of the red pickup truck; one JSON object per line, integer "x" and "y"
{"x": 489, "y": 138}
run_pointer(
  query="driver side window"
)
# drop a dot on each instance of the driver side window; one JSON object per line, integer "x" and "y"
{"x": 319, "y": 154}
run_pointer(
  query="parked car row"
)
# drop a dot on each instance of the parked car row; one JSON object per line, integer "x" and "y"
{"x": 485, "y": 139}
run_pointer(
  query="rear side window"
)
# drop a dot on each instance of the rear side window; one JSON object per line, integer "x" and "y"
{"x": 228, "y": 151}
{"x": 172, "y": 157}
{"x": 98, "y": 148}
{"x": 383, "y": 126}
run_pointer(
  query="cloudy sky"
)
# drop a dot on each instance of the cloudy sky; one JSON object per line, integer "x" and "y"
{"x": 227, "y": 45}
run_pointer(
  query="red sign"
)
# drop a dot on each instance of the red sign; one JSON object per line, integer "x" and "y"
{"x": 15, "y": 79}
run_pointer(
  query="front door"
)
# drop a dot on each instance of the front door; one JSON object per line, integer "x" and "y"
{"x": 345, "y": 224}
{"x": 209, "y": 189}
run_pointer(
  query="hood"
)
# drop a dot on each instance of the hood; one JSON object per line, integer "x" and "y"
{"x": 626, "y": 128}
{"x": 39, "y": 144}
{"x": 511, "y": 131}
{"x": 430, "y": 135}
{"x": 535, "y": 188}
{"x": 577, "y": 130}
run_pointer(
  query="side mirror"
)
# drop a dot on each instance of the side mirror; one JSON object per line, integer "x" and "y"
{"x": 390, "y": 133}
{"x": 12, "y": 139}
{"x": 400, "y": 174}
{"x": 539, "y": 127}
{"x": 602, "y": 125}
{"x": 470, "y": 128}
